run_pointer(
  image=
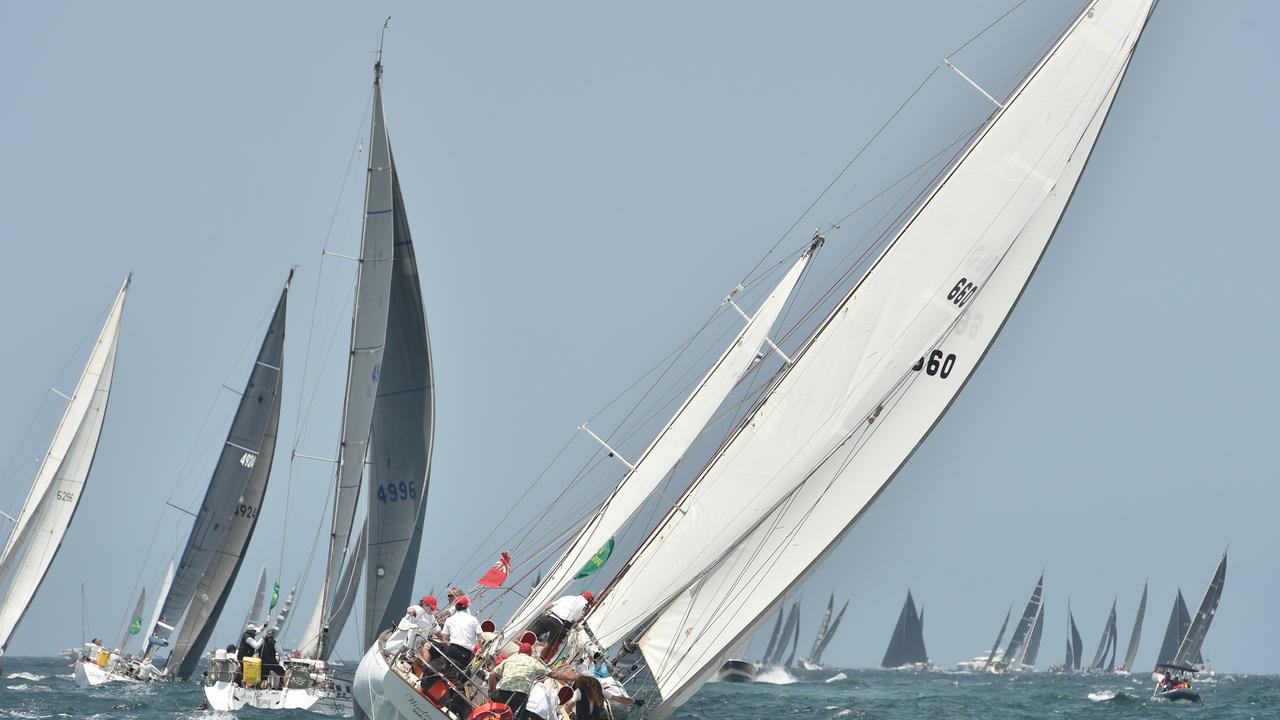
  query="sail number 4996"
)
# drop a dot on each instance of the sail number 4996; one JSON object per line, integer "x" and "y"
{"x": 938, "y": 364}
{"x": 395, "y": 492}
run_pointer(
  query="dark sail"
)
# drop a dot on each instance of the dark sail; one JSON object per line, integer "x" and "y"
{"x": 995, "y": 648}
{"x": 1132, "y": 653}
{"x": 1077, "y": 643}
{"x": 1033, "y": 645}
{"x": 822, "y": 629}
{"x": 1023, "y": 629}
{"x": 229, "y": 511}
{"x": 1179, "y": 621}
{"x": 401, "y": 440}
{"x": 789, "y": 630}
{"x": 906, "y": 645}
{"x": 1106, "y": 643}
{"x": 795, "y": 637}
{"x": 773, "y": 639}
{"x": 831, "y": 631}
{"x": 1189, "y": 649}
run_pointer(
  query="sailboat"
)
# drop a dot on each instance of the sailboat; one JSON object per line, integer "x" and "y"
{"x": 387, "y": 429}
{"x": 826, "y": 630}
{"x": 41, "y": 525}
{"x": 906, "y": 645}
{"x": 193, "y": 595}
{"x": 1173, "y": 681}
{"x": 987, "y": 661}
{"x": 857, "y": 396}
{"x": 1013, "y": 657}
{"x": 1135, "y": 636}
{"x": 1104, "y": 658}
{"x": 1179, "y": 621}
{"x": 1075, "y": 647}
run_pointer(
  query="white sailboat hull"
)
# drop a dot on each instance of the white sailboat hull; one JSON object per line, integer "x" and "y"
{"x": 89, "y": 675}
{"x": 382, "y": 693}
{"x": 228, "y": 697}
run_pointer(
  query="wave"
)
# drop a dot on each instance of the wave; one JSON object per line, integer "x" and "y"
{"x": 836, "y": 678}
{"x": 775, "y": 676}
{"x": 25, "y": 676}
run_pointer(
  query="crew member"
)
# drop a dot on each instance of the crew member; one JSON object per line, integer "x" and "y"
{"x": 270, "y": 661}
{"x": 559, "y": 617}
{"x": 511, "y": 681}
{"x": 459, "y": 636}
{"x": 614, "y": 691}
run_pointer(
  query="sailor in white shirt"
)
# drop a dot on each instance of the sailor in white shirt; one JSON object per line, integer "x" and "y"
{"x": 542, "y": 701}
{"x": 559, "y": 617}
{"x": 459, "y": 633}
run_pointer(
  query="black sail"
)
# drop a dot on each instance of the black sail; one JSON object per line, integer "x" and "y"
{"x": 1077, "y": 643}
{"x": 1136, "y": 635}
{"x": 1022, "y": 631}
{"x": 1033, "y": 645}
{"x": 229, "y": 511}
{"x": 995, "y": 647}
{"x": 773, "y": 639}
{"x": 1179, "y": 621}
{"x": 906, "y": 645}
{"x": 831, "y": 631}
{"x": 1189, "y": 649}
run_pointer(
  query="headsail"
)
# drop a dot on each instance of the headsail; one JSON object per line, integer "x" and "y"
{"x": 774, "y": 638}
{"x": 1005, "y": 193}
{"x": 1106, "y": 643}
{"x": 1022, "y": 631}
{"x": 259, "y": 599}
{"x": 906, "y": 645}
{"x": 822, "y": 629}
{"x": 1132, "y": 653}
{"x": 59, "y": 485}
{"x": 401, "y": 438}
{"x": 789, "y": 630}
{"x": 1189, "y": 650}
{"x": 995, "y": 647}
{"x": 1032, "y": 652}
{"x": 831, "y": 632}
{"x": 668, "y": 448}
{"x": 1179, "y": 622}
{"x": 1077, "y": 643}
{"x": 229, "y": 512}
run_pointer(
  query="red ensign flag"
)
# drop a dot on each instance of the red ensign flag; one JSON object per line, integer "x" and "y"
{"x": 498, "y": 573}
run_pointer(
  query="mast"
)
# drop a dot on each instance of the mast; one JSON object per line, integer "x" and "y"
{"x": 364, "y": 361}
{"x": 60, "y": 482}
{"x": 1132, "y": 653}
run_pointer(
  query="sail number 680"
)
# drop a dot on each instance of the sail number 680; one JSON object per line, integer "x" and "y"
{"x": 962, "y": 292}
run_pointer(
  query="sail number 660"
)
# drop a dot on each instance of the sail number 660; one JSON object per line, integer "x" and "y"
{"x": 962, "y": 292}
{"x": 937, "y": 365}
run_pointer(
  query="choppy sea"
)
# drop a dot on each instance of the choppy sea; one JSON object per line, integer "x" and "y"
{"x": 43, "y": 688}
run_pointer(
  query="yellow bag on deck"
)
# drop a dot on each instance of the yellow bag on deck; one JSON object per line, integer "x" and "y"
{"x": 104, "y": 657}
{"x": 252, "y": 671}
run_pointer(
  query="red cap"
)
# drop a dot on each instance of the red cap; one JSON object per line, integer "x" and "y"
{"x": 587, "y": 594}
{"x": 526, "y": 649}
{"x": 429, "y": 601}
{"x": 462, "y": 601}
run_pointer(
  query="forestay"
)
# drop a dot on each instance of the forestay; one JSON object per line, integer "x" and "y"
{"x": 60, "y": 482}
{"x": 1029, "y": 158}
{"x": 1009, "y": 189}
{"x": 667, "y": 449}
{"x": 229, "y": 512}
{"x": 401, "y": 439}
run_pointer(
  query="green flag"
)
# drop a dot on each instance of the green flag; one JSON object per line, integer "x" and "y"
{"x": 275, "y": 596}
{"x": 135, "y": 627}
{"x": 597, "y": 561}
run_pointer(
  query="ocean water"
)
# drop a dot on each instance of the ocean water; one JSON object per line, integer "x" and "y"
{"x": 43, "y": 688}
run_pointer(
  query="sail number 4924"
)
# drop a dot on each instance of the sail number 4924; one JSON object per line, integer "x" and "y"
{"x": 937, "y": 364}
{"x": 395, "y": 492}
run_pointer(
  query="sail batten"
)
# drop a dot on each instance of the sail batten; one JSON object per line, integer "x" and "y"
{"x": 59, "y": 485}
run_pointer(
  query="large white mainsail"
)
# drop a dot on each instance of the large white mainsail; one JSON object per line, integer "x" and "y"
{"x": 666, "y": 450}
{"x": 59, "y": 485}
{"x": 1025, "y": 165}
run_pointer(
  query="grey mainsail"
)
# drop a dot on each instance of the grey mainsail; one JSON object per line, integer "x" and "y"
{"x": 1023, "y": 629}
{"x": 1189, "y": 650}
{"x": 1033, "y": 646}
{"x": 1077, "y": 643}
{"x": 1132, "y": 653}
{"x": 1179, "y": 622}
{"x": 1106, "y": 643}
{"x": 229, "y": 512}
{"x": 906, "y": 646}
{"x": 995, "y": 647}
{"x": 831, "y": 631}
{"x": 822, "y": 629}
{"x": 401, "y": 441}
{"x": 364, "y": 365}
{"x": 773, "y": 639}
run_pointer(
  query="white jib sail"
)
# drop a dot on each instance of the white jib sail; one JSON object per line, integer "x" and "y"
{"x": 1012, "y": 185}
{"x": 59, "y": 484}
{"x": 666, "y": 449}
{"x": 164, "y": 592}
{"x": 1056, "y": 118}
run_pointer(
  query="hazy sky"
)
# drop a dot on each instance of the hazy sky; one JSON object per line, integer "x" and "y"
{"x": 585, "y": 182}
